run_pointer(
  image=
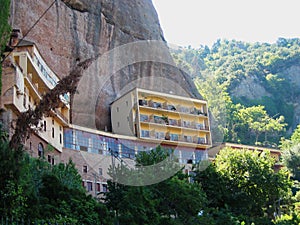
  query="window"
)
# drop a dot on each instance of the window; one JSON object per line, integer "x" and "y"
{"x": 144, "y": 118}
{"x": 49, "y": 158}
{"x": 24, "y": 101}
{"x": 52, "y": 132}
{"x": 98, "y": 187}
{"x": 187, "y": 123}
{"x": 40, "y": 150}
{"x": 174, "y": 137}
{"x": 142, "y": 102}
{"x": 104, "y": 186}
{"x": 201, "y": 140}
{"x": 159, "y": 135}
{"x": 52, "y": 122}
{"x": 60, "y": 128}
{"x": 30, "y": 146}
{"x": 171, "y": 107}
{"x": 145, "y": 133}
{"x": 158, "y": 119}
{"x": 117, "y": 109}
{"x": 187, "y": 138}
{"x": 184, "y": 109}
{"x": 156, "y": 105}
{"x": 200, "y": 126}
{"x": 52, "y": 161}
{"x": 45, "y": 125}
{"x": 60, "y": 138}
{"x": 127, "y": 151}
{"x": 126, "y": 103}
{"x": 100, "y": 172}
{"x": 83, "y": 184}
{"x": 173, "y": 122}
{"x": 89, "y": 186}
{"x": 85, "y": 169}
{"x": 189, "y": 161}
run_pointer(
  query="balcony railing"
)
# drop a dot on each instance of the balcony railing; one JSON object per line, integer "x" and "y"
{"x": 29, "y": 78}
{"x": 174, "y": 137}
{"x": 61, "y": 115}
{"x": 174, "y": 123}
{"x": 172, "y": 108}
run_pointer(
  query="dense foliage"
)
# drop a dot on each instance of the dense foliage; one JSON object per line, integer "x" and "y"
{"x": 244, "y": 185}
{"x": 32, "y": 189}
{"x": 4, "y": 29}
{"x": 173, "y": 201}
{"x": 241, "y": 187}
{"x": 220, "y": 70}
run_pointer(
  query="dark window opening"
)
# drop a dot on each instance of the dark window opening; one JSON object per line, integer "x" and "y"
{"x": 98, "y": 187}
{"x": 189, "y": 161}
{"x": 40, "y": 150}
{"x": 104, "y": 186}
{"x": 89, "y": 186}
{"x": 85, "y": 169}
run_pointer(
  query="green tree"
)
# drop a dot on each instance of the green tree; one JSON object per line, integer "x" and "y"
{"x": 294, "y": 140}
{"x": 4, "y": 30}
{"x": 244, "y": 183}
{"x": 55, "y": 193}
{"x": 230, "y": 62}
{"x": 12, "y": 200}
{"x": 258, "y": 121}
{"x": 291, "y": 159}
{"x": 4, "y": 24}
{"x": 173, "y": 201}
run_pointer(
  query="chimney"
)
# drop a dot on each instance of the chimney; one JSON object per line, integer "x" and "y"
{"x": 15, "y": 37}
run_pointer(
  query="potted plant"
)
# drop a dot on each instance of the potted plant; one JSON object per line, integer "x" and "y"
{"x": 165, "y": 119}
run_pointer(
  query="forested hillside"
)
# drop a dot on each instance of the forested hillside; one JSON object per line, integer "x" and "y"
{"x": 253, "y": 88}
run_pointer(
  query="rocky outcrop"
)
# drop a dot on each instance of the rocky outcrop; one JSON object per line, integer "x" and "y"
{"x": 250, "y": 88}
{"x": 72, "y": 31}
{"x": 293, "y": 75}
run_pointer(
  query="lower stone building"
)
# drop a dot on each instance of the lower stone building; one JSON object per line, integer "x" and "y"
{"x": 275, "y": 153}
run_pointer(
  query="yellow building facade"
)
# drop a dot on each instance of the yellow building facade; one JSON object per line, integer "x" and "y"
{"x": 162, "y": 118}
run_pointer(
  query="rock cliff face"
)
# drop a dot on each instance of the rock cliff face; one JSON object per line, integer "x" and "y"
{"x": 72, "y": 31}
{"x": 250, "y": 88}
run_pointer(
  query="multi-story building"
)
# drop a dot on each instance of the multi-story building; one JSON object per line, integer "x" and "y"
{"x": 25, "y": 79}
{"x": 162, "y": 118}
{"x": 141, "y": 121}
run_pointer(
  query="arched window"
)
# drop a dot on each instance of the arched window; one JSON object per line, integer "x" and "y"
{"x": 40, "y": 150}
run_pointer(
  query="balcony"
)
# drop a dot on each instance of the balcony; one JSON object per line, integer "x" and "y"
{"x": 164, "y": 121}
{"x": 174, "y": 138}
{"x": 32, "y": 85}
{"x": 59, "y": 115}
{"x": 166, "y": 107}
{"x": 48, "y": 77}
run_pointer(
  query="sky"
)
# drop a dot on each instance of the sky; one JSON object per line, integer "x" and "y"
{"x": 202, "y": 22}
